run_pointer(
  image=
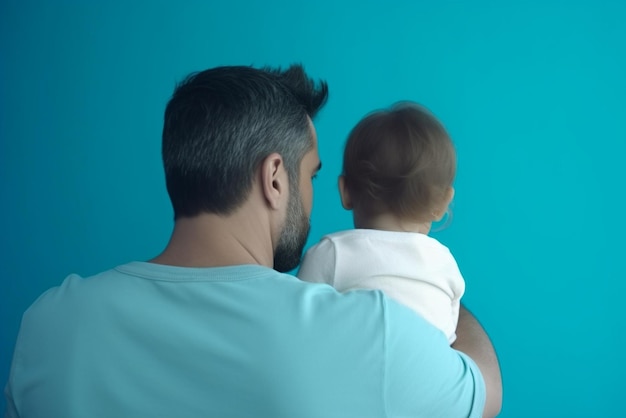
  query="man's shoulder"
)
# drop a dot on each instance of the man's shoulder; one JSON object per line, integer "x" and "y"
{"x": 393, "y": 238}
{"x": 141, "y": 279}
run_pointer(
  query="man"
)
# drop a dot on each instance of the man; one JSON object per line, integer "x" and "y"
{"x": 208, "y": 328}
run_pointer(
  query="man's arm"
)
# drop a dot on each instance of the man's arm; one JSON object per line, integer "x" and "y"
{"x": 473, "y": 341}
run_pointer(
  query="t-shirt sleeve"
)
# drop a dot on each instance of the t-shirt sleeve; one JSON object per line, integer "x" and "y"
{"x": 424, "y": 376}
{"x": 318, "y": 264}
{"x": 11, "y": 410}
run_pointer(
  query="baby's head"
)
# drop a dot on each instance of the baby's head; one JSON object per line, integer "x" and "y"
{"x": 398, "y": 166}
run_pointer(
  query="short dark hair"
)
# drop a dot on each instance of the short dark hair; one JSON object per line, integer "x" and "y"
{"x": 401, "y": 161}
{"x": 222, "y": 122}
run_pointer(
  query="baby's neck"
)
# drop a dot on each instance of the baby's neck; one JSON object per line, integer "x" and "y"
{"x": 388, "y": 222}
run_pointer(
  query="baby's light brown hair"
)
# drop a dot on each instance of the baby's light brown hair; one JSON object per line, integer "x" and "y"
{"x": 400, "y": 160}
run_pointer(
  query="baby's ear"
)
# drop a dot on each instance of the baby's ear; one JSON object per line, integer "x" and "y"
{"x": 438, "y": 214}
{"x": 346, "y": 202}
{"x": 449, "y": 196}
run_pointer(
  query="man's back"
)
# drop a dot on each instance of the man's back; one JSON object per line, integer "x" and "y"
{"x": 151, "y": 340}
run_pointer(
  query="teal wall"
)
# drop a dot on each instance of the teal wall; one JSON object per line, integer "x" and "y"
{"x": 533, "y": 94}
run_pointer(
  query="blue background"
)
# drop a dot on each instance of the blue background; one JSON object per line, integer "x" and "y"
{"x": 533, "y": 94}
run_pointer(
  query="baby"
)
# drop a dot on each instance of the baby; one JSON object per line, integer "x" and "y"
{"x": 398, "y": 169}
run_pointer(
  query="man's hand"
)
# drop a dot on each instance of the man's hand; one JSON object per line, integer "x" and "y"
{"x": 473, "y": 341}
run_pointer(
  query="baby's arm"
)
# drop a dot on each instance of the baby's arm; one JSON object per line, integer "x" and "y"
{"x": 457, "y": 286}
{"x": 318, "y": 264}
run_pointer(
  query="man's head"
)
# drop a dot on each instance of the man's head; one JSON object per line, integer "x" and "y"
{"x": 222, "y": 123}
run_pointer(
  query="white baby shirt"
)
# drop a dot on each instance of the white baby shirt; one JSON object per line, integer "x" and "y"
{"x": 414, "y": 269}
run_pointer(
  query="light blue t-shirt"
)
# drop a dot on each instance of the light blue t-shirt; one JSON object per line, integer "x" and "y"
{"x": 145, "y": 340}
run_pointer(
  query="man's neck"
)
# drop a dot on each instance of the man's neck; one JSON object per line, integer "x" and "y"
{"x": 210, "y": 240}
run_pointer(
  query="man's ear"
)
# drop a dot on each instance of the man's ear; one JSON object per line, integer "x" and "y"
{"x": 274, "y": 180}
{"x": 346, "y": 202}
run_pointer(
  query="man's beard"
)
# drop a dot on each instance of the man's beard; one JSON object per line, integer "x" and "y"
{"x": 293, "y": 237}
